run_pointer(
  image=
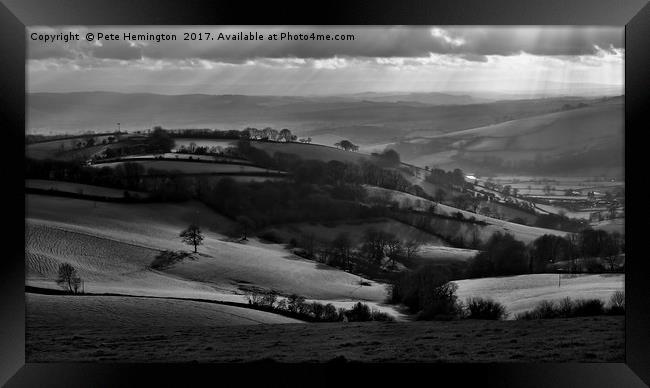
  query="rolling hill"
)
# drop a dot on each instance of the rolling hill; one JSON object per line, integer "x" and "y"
{"x": 113, "y": 246}
{"x": 363, "y": 118}
{"x": 521, "y": 293}
{"x": 585, "y": 140}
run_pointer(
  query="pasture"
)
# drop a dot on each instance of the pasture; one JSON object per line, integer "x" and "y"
{"x": 113, "y": 245}
{"x": 79, "y": 188}
{"x": 521, "y": 232}
{"x": 521, "y": 293}
{"x": 591, "y": 339}
{"x": 187, "y": 167}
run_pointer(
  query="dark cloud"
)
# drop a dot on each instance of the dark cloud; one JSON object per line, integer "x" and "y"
{"x": 470, "y": 43}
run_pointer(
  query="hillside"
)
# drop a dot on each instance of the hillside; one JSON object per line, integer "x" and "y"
{"x": 568, "y": 142}
{"x": 523, "y": 292}
{"x": 113, "y": 246}
{"x": 463, "y": 228}
{"x": 96, "y": 311}
{"x": 362, "y": 118}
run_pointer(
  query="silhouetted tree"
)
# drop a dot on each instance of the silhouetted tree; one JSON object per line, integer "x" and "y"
{"x": 192, "y": 236}
{"x": 346, "y": 145}
{"x": 342, "y": 249}
{"x": 160, "y": 140}
{"x": 411, "y": 247}
{"x": 68, "y": 278}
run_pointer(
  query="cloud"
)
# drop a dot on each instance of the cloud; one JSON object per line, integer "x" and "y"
{"x": 469, "y": 43}
{"x": 122, "y": 50}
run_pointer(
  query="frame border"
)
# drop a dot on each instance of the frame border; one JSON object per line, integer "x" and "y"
{"x": 15, "y": 15}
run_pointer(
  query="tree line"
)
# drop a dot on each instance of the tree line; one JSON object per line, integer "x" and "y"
{"x": 586, "y": 251}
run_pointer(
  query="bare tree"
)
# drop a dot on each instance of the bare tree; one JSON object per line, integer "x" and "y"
{"x": 192, "y": 236}
{"x": 411, "y": 247}
{"x": 393, "y": 249}
{"x": 69, "y": 278}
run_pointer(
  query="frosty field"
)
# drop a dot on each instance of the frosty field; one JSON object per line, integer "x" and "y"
{"x": 523, "y": 292}
{"x": 113, "y": 245}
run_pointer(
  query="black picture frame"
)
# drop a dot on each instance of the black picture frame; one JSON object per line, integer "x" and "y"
{"x": 16, "y": 14}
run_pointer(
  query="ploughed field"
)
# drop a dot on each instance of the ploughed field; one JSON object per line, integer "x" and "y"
{"x": 591, "y": 339}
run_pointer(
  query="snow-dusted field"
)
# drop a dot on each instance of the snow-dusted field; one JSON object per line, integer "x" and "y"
{"x": 112, "y": 245}
{"x": 523, "y": 292}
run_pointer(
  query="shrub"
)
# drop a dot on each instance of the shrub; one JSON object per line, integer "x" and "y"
{"x": 359, "y": 313}
{"x": 317, "y": 309}
{"x": 479, "y": 308}
{"x": 617, "y": 303}
{"x": 377, "y": 315}
{"x": 268, "y": 299}
{"x": 295, "y": 303}
{"x": 282, "y": 305}
{"x": 588, "y": 307}
{"x": 341, "y": 314}
{"x": 544, "y": 309}
{"x": 329, "y": 313}
{"x": 566, "y": 308}
{"x": 255, "y": 298}
{"x": 427, "y": 292}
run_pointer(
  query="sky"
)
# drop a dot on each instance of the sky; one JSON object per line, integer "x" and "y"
{"x": 382, "y": 59}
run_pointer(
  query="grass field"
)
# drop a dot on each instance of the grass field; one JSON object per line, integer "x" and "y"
{"x": 112, "y": 245}
{"x": 223, "y": 143}
{"x": 521, "y": 232}
{"x": 179, "y": 156}
{"x": 593, "y": 339}
{"x": 79, "y": 188}
{"x": 61, "y": 150}
{"x": 186, "y": 167}
{"x": 595, "y": 128}
{"x": 311, "y": 151}
{"x": 523, "y": 292}
{"x": 95, "y": 311}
